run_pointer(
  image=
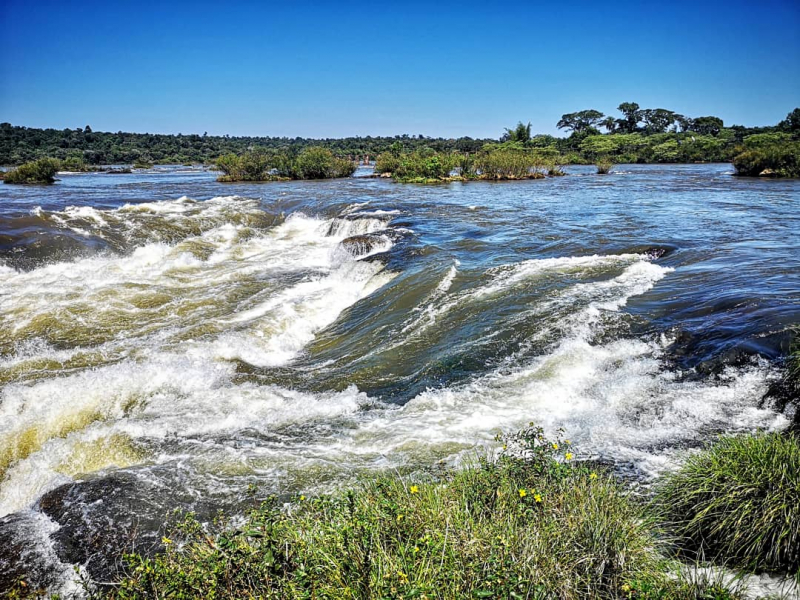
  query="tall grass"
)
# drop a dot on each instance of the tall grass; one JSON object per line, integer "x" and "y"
{"x": 738, "y": 501}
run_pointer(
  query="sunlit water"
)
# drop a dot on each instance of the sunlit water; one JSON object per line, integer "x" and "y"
{"x": 168, "y": 341}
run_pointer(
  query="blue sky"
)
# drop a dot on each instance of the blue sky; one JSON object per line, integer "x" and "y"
{"x": 330, "y": 69}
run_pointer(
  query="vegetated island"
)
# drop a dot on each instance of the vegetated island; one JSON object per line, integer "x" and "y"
{"x": 637, "y": 136}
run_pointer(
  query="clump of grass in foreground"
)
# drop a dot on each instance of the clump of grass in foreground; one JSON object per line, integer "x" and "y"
{"x": 531, "y": 524}
{"x": 738, "y": 501}
{"x": 42, "y": 170}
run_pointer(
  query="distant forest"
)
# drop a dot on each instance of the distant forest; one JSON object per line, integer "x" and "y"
{"x": 637, "y": 135}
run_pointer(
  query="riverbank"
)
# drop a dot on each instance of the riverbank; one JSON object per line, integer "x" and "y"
{"x": 534, "y": 522}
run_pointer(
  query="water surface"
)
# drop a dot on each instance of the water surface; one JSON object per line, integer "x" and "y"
{"x": 169, "y": 341}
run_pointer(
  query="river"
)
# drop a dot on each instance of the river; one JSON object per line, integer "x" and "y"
{"x": 167, "y": 341}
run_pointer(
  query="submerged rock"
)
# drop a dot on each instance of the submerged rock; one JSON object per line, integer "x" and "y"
{"x": 359, "y": 245}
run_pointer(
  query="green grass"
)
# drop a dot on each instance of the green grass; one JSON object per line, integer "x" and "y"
{"x": 738, "y": 502}
{"x": 42, "y": 170}
{"x": 531, "y": 524}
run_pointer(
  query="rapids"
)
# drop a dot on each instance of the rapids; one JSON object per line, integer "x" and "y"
{"x": 170, "y": 342}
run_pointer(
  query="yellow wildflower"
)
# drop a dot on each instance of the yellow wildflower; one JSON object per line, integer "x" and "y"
{"x": 555, "y": 446}
{"x": 522, "y": 493}
{"x": 537, "y": 497}
{"x": 568, "y": 456}
{"x": 414, "y": 489}
{"x": 166, "y": 541}
{"x": 593, "y": 476}
{"x": 302, "y": 498}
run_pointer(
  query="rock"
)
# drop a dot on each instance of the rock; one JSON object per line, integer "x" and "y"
{"x": 386, "y": 175}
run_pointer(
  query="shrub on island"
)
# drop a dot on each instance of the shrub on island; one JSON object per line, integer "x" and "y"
{"x": 508, "y": 163}
{"x": 738, "y": 501}
{"x": 604, "y": 166}
{"x": 42, "y": 170}
{"x": 768, "y": 155}
{"x": 264, "y": 165}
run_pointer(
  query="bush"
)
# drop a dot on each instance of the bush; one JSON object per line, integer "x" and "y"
{"x": 320, "y": 163}
{"x": 263, "y": 165}
{"x": 42, "y": 170}
{"x": 604, "y": 166}
{"x": 423, "y": 166}
{"x": 738, "y": 501}
{"x": 74, "y": 164}
{"x": 529, "y": 525}
{"x": 509, "y": 163}
{"x": 776, "y": 160}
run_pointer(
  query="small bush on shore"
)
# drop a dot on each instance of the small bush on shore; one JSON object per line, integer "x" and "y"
{"x": 738, "y": 501}
{"x": 42, "y": 170}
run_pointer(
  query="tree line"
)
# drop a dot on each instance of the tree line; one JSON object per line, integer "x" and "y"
{"x": 636, "y": 135}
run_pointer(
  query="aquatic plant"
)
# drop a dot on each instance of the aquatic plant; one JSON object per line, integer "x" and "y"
{"x": 604, "y": 166}
{"x": 42, "y": 170}
{"x": 530, "y": 524}
{"x": 738, "y": 501}
{"x": 143, "y": 162}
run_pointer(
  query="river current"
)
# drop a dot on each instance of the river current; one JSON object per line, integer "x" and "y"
{"x": 167, "y": 341}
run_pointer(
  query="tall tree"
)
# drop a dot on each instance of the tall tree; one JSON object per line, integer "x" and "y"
{"x": 657, "y": 120}
{"x": 581, "y": 120}
{"x": 706, "y": 125}
{"x": 631, "y": 117}
{"x": 791, "y": 123}
{"x": 521, "y": 133}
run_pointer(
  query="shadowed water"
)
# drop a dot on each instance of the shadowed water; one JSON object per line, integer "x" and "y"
{"x": 167, "y": 341}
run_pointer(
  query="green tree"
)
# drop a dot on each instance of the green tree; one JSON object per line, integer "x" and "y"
{"x": 791, "y": 123}
{"x": 706, "y": 125}
{"x": 631, "y": 117}
{"x": 521, "y": 133}
{"x": 581, "y": 120}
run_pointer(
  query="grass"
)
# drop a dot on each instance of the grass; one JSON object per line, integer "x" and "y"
{"x": 42, "y": 170}
{"x": 530, "y": 524}
{"x": 738, "y": 501}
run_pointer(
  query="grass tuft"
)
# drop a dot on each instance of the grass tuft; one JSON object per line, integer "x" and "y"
{"x": 738, "y": 501}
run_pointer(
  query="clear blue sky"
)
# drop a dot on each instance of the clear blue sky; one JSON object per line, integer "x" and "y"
{"x": 440, "y": 68}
